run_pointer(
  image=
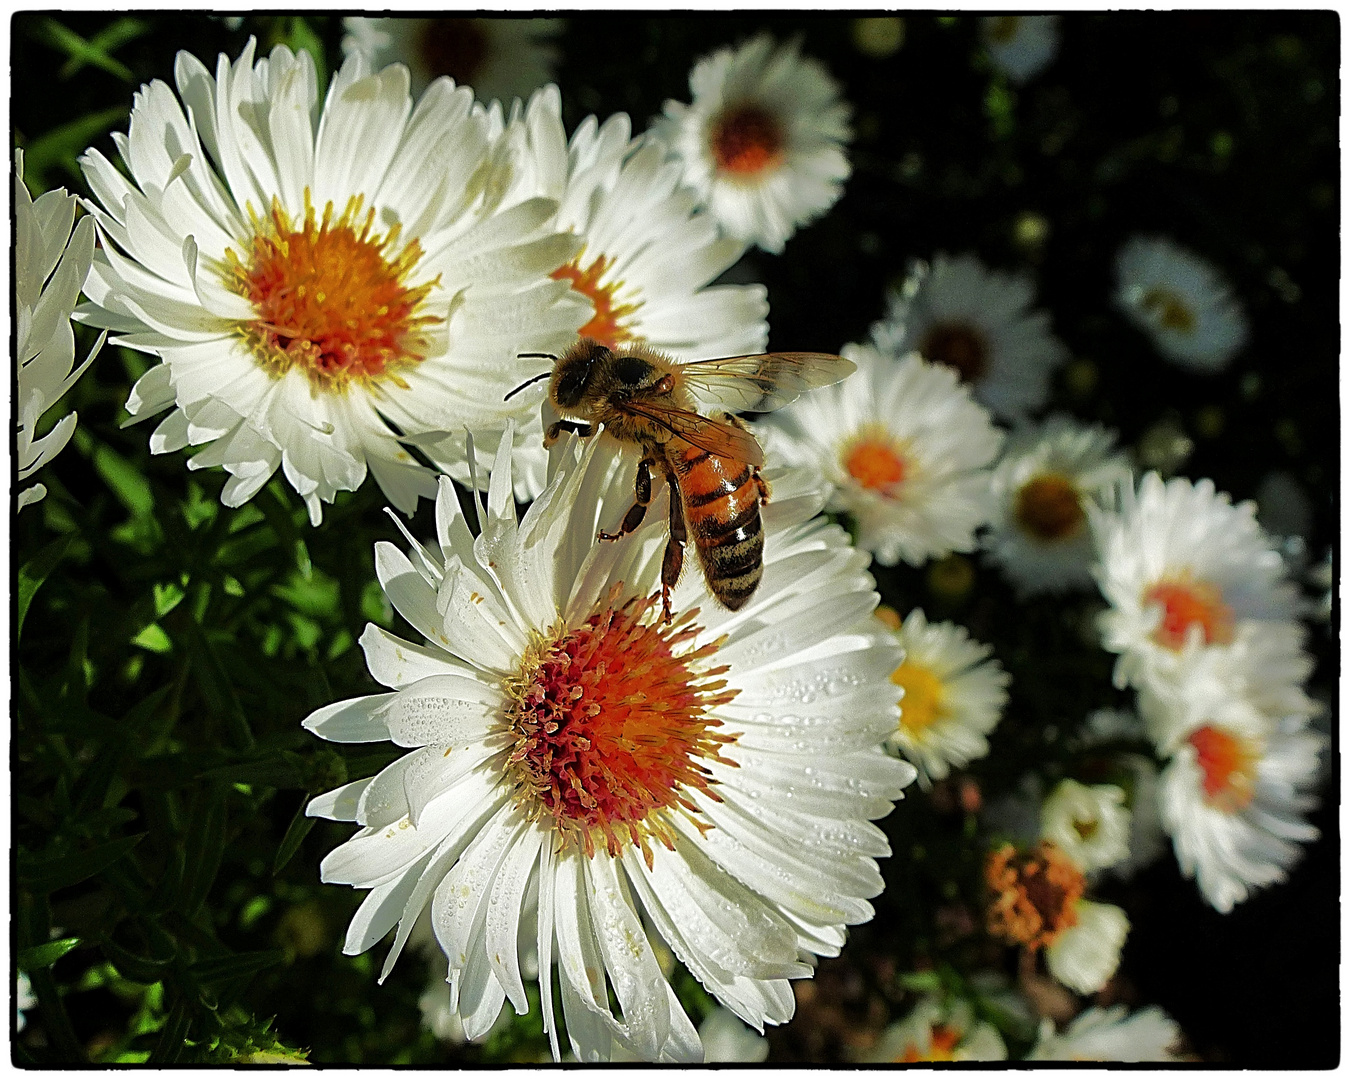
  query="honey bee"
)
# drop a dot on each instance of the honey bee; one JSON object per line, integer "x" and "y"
{"x": 712, "y": 463}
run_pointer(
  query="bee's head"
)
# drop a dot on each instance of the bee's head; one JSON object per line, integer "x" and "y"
{"x": 573, "y": 372}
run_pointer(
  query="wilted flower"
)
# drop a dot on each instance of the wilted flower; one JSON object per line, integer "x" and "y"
{"x": 979, "y": 323}
{"x": 906, "y": 448}
{"x": 50, "y": 265}
{"x": 763, "y": 141}
{"x": 500, "y": 57}
{"x": 1181, "y": 302}
{"x": 572, "y": 751}
{"x": 339, "y": 269}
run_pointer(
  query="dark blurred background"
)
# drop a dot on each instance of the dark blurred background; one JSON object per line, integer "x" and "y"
{"x": 1219, "y": 130}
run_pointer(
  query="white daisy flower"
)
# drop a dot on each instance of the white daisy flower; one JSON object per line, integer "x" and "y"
{"x": 954, "y": 694}
{"x": 50, "y": 265}
{"x": 906, "y": 448}
{"x": 647, "y": 260}
{"x": 1110, "y": 1035}
{"x": 1020, "y": 46}
{"x": 500, "y": 57}
{"x": 937, "y": 1032}
{"x": 24, "y": 998}
{"x": 1037, "y": 902}
{"x": 327, "y": 279}
{"x": 1181, "y": 567}
{"x": 571, "y": 752}
{"x": 1090, "y": 824}
{"x": 979, "y": 323}
{"x": 1181, "y": 302}
{"x": 763, "y": 141}
{"x": 1042, "y": 486}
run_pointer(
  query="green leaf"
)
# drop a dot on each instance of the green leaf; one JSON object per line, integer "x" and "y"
{"x": 279, "y": 769}
{"x": 140, "y": 969}
{"x": 94, "y": 52}
{"x": 203, "y": 847}
{"x": 34, "y": 572}
{"x": 127, "y": 482}
{"x": 173, "y": 1037}
{"x": 222, "y": 969}
{"x": 154, "y": 639}
{"x": 61, "y": 146}
{"x": 295, "y": 835}
{"x": 44, "y": 956}
{"x": 47, "y": 875}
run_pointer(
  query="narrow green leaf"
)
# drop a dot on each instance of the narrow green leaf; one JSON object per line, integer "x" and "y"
{"x": 222, "y": 969}
{"x": 279, "y": 769}
{"x": 141, "y": 969}
{"x": 82, "y": 52}
{"x": 127, "y": 482}
{"x": 295, "y": 835}
{"x": 216, "y": 687}
{"x": 48, "y": 875}
{"x": 44, "y": 956}
{"x": 203, "y": 848}
{"x": 173, "y": 1036}
{"x": 153, "y": 639}
{"x": 35, "y": 571}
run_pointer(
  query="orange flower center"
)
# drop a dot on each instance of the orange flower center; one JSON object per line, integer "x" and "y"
{"x": 1034, "y": 893}
{"x": 942, "y": 1043}
{"x": 606, "y": 325}
{"x": 1228, "y": 767}
{"x": 1170, "y": 310}
{"x": 959, "y": 346}
{"x": 454, "y": 47}
{"x": 612, "y": 728}
{"x": 1188, "y": 603}
{"x": 1048, "y": 508}
{"x": 747, "y": 140}
{"x": 922, "y": 704}
{"x": 873, "y": 459}
{"x": 331, "y": 297}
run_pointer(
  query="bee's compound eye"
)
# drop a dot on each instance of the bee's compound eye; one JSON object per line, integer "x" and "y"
{"x": 571, "y": 384}
{"x": 631, "y": 370}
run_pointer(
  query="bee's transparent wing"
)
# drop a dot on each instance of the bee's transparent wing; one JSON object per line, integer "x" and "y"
{"x": 764, "y": 381}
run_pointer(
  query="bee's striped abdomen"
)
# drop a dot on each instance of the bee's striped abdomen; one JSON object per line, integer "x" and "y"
{"x": 721, "y": 512}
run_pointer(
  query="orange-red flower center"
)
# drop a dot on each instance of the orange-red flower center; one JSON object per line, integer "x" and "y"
{"x": 331, "y": 296}
{"x": 942, "y": 1043}
{"x": 747, "y": 140}
{"x": 1227, "y": 765}
{"x": 959, "y": 346}
{"x": 874, "y": 460}
{"x": 454, "y": 47}
{"x": 1048, "y": 508}
{"x": 1035, "y": 893}
{"x": 612, "y": 727}
{"x": 607, "y": 325}
{"x": 1186, "y": 603}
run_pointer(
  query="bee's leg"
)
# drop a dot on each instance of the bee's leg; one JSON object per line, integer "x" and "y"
{"x": 762, "y": 485}
{"x": 642, "y": 496}
{"x": 673, "y": 560}
{"x": 559, "y": 426}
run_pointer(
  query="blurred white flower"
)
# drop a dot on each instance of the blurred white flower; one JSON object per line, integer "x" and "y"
{"x": 50, "y": 265}
{"x": 1181, "y": 302}
{"x": 954, "y": 694}
{"x": 312, "y": 280}
{"x": 726, "y": 1039}
{"x": 937, "y": 1032}
{"x": 24, "y": 998}
{"x": 906, "y": 448}
{"x": 763, "y": 141}
{"x": 979, "y": 323}
{"x": 736, "y": 814}
{"x": 1181, "y": 568}
{"x": 501, "y": 57}
{"x": 1020, "y": 46}
{"x": 1091, "y": 824}
{"x": 1110, "y": 1035}
{"x": 1043, "y": 484}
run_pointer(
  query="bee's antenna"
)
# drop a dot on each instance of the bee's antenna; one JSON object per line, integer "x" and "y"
{"x": 536, "y": 356}
{"x": 528, "y": 382}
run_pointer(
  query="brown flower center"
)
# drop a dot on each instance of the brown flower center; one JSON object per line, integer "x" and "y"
{"x": 1034, "y": 893}
{"x": 1048, "y": 508}
{"x": 747, "y": 140}
{"x": 959, "y": 346}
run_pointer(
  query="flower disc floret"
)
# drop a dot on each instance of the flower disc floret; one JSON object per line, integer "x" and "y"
{"x": 1035, "y": 894}
{"x": 611, "y": 723}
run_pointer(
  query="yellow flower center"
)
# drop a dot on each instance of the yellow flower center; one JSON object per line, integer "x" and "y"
{"x": 923, "y": 705}
{"x": 1228, "y": 767}
{"x": 1048, "y": 508}
{"x": 331, "y": 297}
{"x": 1186, "y": 603}
{"x": 958, "y": 345}
{"x": 612, "y": 730}
{"x": 608, "y": 325}
{"x": 1170, "y": 310}
{"x": 747, "y": 140}
{"x": 874, "y": 459}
